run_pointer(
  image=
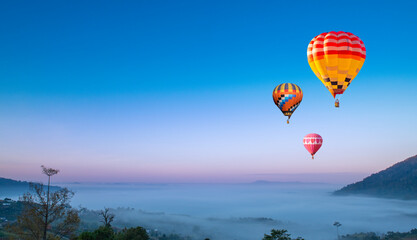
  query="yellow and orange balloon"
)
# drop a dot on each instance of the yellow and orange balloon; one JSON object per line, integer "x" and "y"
{"x": 336, "y": 58}
{"x": 287, "y": 97}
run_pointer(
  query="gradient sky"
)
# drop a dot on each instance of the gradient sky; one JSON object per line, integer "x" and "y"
{"x": 181, "y": 91}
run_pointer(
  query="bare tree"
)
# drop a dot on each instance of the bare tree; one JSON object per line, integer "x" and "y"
{"x": 337, "y": 225}
{"x": 48, "y": 172}
{"x": 107, "y": 217}
{"x": 47, "y": 215}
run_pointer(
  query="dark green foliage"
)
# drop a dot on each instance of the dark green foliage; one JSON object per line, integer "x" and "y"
{"x": 411, "y": 235}
{"x": 137, "y": 233}
{"x": 101, "y": 233}
{"x": 107, "y": 233}
{"x": 86, "y": 236}
{"x": 397, "y": 181}
{"x": 361, "y": 236}
{"x": 104, "y": 233}
{"x": 172, "y": 237}
{"x": 401, "y": 236}
{"x": 279, "y": 235}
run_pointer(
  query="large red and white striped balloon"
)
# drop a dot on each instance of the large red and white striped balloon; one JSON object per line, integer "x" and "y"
{"x": 312, "y": 142}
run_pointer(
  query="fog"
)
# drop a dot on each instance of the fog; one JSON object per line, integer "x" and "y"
{"x": 246, "y": 211}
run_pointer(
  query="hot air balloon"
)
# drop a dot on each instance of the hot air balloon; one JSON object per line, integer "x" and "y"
{"x": 336, "y": 58}
{"x": 287, "y": 97}
{"x": 312, "y": 142}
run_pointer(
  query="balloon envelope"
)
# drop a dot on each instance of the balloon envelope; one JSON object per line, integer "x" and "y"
{"x": 287, "y": 97}
{"x": 336, "y": 58}
{"x": 312, "y": 142}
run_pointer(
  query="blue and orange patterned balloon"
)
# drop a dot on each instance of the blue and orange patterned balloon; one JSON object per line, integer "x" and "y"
{"x": 287, "y": 97}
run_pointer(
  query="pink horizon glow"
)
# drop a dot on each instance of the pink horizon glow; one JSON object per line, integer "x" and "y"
{"x": 77, "y": 175}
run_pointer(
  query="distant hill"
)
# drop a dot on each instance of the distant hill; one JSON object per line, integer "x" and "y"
{"x": 12, "y": 188}
{"x": 397, "y": 181}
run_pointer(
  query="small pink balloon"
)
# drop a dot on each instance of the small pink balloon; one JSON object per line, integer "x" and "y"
{"x": 312, "y": 142}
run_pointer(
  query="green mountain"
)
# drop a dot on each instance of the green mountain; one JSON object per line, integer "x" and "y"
{"x": 397, "y": 181}
{"x": 13, "y": 188}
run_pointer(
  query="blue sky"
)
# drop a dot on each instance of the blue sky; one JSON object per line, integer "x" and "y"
{"x": 174, "y": 91}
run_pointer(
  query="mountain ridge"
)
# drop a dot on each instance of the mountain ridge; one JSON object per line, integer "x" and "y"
{"x": 398, "y": 181}
{"x": 10, "y": 187}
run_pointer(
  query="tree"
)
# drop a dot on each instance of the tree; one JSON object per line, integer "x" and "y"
{"x": 86, "y": 236}
{"x": 137, "y": 233}
{"x": 107, "y": 217}
{"x": 101, "y": 233}
{"x": 46, "y": 215}
{"x": 107, "y": 233}
{"x": 279, "y": 235}
{"x": 362, "y": 236}
{"x": 48, "y": 172}
{"x": 337, "y": 225}
{"x": 104, "y": 233}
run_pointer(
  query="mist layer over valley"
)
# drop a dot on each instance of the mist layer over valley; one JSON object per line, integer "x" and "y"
{"x": 245, "y": 211}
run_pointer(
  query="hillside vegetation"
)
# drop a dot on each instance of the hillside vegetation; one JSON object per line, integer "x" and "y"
{"x": 398, "y": 181}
